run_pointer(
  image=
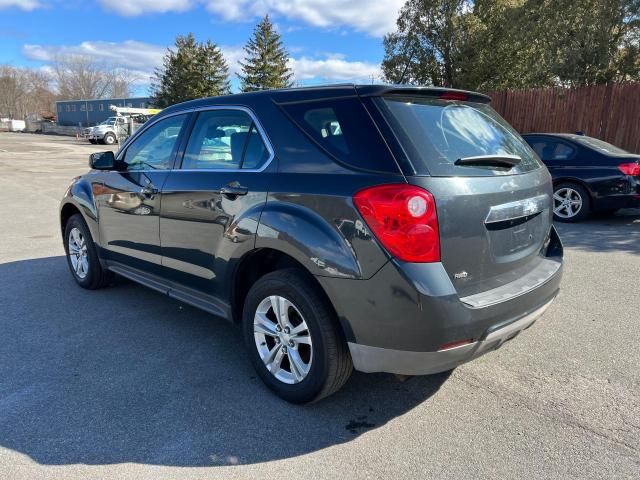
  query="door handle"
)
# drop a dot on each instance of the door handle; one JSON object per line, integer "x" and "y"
{"x": 234, "y": 189}
{"x": 148, "y": 191}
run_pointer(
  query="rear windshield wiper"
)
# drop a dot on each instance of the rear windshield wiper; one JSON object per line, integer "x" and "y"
{"x": 499, "y": 161}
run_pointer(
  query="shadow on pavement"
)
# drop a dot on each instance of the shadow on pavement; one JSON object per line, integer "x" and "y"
{"x": 125, "y": 374}
{"x": 604, "y": 233}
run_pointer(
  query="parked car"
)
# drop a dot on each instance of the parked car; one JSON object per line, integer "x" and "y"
{"x": 402, "y": 230}
{"x": 589, "y": 175}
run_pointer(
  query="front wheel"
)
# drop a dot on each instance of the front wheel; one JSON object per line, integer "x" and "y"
{"x": 293, "y": 339}
{"x": 82, "y": 257}
{"x": 109, "y": 139}
{"x": 571, "y": 203}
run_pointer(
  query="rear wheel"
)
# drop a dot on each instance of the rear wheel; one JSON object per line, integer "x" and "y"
{"x": 571, "y": 202}
{"x": 82, "y": 256}
{"x": 293, "y": 340}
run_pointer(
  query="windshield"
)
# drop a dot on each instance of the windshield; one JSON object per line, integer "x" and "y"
{"x": 435, "y": 133}
{"x": 601, "y": 146}
{"x": 109, "y": 121}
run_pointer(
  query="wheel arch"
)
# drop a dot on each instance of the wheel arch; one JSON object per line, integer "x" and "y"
{"x": 577, "y": 181}
{"x": 310, "y": 238}
{"x": 66, "y": 212}
{"x": 79, "y": 199}
{"x": 261, "y": 261}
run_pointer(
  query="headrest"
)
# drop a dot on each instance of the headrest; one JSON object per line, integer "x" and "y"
{"x": 215, "y": 132}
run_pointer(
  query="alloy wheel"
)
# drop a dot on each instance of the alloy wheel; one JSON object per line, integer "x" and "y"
{"x": 78, "y": 253}
{"x": 567, "y": 202}
{"x": 283, "y": 339}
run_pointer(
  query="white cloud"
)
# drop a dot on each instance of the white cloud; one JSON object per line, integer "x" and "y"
{"x": 375, "y": 17}
{"x": 27, "y": 5}
{"x": 333, "y": 68}
{"x": 130, "y": 8}
{"x": 139, "y": 57}
{"x": 142, "y": 58}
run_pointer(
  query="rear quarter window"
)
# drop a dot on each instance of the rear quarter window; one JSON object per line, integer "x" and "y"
{"x": 345, "y": 131}
{"x": 435, "y": 133}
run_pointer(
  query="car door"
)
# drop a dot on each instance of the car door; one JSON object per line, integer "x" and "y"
{"x": 212, "y": 203}
{"x": 129, "y": 202}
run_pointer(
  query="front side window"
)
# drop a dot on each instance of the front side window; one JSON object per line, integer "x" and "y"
{"x": 155, "y": 148}
{"x": 225, "y": 139}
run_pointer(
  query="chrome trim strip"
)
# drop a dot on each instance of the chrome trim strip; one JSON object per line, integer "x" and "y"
{"x": 248, "y": 111}
{"x": 518, "y": 209}
{"x": 536, "y": 278}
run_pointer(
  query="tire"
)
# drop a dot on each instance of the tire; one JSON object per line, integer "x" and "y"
{"x": 90, "y": 275}
{"x": 322, "y": 351}
{"x": 109, "y": 139}
{"x": 572, "y": 211}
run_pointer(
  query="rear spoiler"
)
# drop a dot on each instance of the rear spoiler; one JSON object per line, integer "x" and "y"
{"x": 410, "y": 91}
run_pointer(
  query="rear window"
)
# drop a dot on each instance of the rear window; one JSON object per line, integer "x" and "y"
{"x": 344, "y": 129}
{"x": 600, "y": 145}
{"x": 435, "y": 133}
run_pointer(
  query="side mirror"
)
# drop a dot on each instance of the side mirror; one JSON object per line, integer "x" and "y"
{"x": 102, "y": 160}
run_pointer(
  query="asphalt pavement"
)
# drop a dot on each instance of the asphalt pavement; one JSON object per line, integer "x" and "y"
{"x": 127, "y": 383}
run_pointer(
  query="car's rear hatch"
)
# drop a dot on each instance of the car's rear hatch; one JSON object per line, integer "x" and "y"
{"x": 494, "y": 217}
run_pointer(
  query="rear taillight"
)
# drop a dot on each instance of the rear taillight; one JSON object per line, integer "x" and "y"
{"x": 632, "y": 169}
{"x": 403, "y": 218}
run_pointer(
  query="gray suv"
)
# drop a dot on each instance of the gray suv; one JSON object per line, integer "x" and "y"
{"x": 386, "y": 229}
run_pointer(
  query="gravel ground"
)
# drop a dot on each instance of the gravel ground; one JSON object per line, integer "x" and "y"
{"x": 127, "y": 383}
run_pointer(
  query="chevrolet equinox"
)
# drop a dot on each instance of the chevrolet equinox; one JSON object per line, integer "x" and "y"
{"x": 387, "y": 229}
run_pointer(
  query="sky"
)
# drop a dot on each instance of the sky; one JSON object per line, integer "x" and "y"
{"x": 329, "y": 41}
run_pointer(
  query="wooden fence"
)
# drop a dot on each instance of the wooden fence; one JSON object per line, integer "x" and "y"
{"x": 609, "y": 112}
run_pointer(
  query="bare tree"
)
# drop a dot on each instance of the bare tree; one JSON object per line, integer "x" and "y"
{"x": 24, "y": 91}
{"x": 28, "y": 91}
{"x": 122, "y": 82}
{"x": 12, "y": 91}
{"x": 80, "y": 77}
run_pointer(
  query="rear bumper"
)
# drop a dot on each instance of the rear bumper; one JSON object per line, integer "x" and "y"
{"x": 374, "y": 359}
{"x": 612, "y": 202}
{"x": 400, "y": 319}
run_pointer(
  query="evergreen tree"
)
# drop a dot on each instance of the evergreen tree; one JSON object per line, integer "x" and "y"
{"x": 497, "y": 44}
{"x": 192, "y": 70}
{"x": 265, "y": 64}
